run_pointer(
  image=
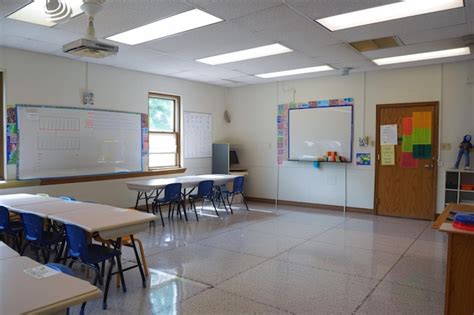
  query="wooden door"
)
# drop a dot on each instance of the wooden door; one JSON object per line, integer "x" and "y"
{"x": 408, "y": 188}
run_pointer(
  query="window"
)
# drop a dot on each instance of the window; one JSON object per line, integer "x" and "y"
{"x": 164, "y": 118}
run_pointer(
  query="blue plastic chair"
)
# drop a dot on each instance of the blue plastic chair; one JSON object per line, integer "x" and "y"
{"x": 66, "y": 270}
{"x": 237, "y": 189}
{"x": 205, "y": 192}
{"x": 172, "y": 196}
{"x": 67, "y": 198}
{"x": 91, "y": 255}
{"x": 10, "y": 228}
{"x": 38, "y": 238}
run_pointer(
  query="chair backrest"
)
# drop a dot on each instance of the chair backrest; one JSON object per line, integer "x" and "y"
{"x": 76, "y": 241}
{"x": 67, "y": 198}
{"x": 238, "y": 185}
{"x": 4, "y": 219}
{"x": 173, "y": 192}
{"x": 205, "y": 188}
{"x": 33, "y": 226}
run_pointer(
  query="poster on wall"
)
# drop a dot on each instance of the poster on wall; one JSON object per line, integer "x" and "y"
{"x": 12, "y": 136}
{"x": 388, "y": 135}
{"x": 363, "y": 159}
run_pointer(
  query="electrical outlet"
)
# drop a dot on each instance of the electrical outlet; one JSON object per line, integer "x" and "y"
{"x": 446, "y": 146}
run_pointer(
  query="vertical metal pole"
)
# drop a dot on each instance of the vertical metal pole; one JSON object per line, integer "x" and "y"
{"x": 345, "y": 187}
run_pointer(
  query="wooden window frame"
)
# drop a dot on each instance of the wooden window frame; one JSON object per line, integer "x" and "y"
{"x": 176, "y": 131}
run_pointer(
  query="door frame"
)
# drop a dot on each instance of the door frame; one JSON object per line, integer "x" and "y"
{"x": 378, "y": 108}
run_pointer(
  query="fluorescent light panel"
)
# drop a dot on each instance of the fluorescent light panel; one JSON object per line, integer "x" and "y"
{"x": 387, "y": 12}
{"x": 252, "y": 53}
{"x": 34, "y": 12}
{"x": 294, "y": 72}
{"x": 169, "y": 26}
{"x": 423, "y": 56}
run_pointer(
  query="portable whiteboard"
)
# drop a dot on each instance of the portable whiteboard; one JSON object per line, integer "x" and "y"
{"x": 197, "y": 135}
{"x": 314, "y": 131}
{"x": 63, "y": 142}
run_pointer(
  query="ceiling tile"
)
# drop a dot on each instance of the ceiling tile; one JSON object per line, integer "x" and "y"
{"x": 413, "y": 49}
{"x": 435, "y": 34}
{"x": 122, "y": 15}
{"x": 231, "y": 9}
{"x": 27, "y": 44}
{"x": 7, "y": 7}
{"x": 212, "y": 40}
{"x": 403, "y": 26}
{"x": 324, "y": 8}
{"x": 281, "y": 62}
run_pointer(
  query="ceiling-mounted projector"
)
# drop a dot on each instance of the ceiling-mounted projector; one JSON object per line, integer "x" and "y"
{"x": 90, "y": 46}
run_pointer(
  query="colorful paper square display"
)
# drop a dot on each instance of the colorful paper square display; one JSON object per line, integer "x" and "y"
{"x": 421, "y": 136}
{"x": 422, "y": 151}
{"x": 407, "y": 126}
{"x": 407, "y": 144}
{"x": 407, "y": 160}
{"x": 422, "y": 120}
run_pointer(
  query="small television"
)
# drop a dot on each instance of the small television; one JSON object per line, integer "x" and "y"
{"x": 233, "y": 158}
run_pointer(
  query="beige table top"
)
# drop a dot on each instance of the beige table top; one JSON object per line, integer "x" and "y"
{"x": 6, "y": 251}
{"x": 24, "y": 199}
{"x": 44, "y": 209}
{"x": 21, "y": 293}
{"x": 103, "y": 218}
{"x": 148, "y": 185}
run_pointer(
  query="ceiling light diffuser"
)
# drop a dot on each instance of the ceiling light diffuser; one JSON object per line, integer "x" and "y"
{"x": 169, "y": 26}
{"x": 294, "y": 72}
{"x": 252, "y": 53}
{"x": 423, "y": 56}
{"x": 387, "y": 12}
{"x": 35, "y": 12}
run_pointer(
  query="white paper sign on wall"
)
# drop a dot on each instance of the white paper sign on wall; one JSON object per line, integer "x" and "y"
{"x": 197, "y": 135}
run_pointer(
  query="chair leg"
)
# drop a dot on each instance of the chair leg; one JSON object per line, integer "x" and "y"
{"x": 214, "y": 205}
{"x": 83, "y": 308}
{"x": 98, "y": 277}
{"x": 140, "y": 266}
{"x": 107, "y": 283}
{"x": 193, "y": 205}
{"x": 161, "y": 216}
{"x": 245, "y": 201}
{"x": 230, "y": 203}
{"x": 122, "y": 278}
{"x": 142, "y": 254}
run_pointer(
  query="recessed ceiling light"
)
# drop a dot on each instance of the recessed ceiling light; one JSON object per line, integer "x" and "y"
{"x": 294, "y": 72}
{"x": 169, "y": 26}
{"x": 423, "y": 56}
{"x": 252, "y": 53}
{"x": 387, "y": 12}
{"x": 35, "y": 12}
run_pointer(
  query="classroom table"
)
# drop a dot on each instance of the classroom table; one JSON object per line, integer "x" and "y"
{"x": 107, "y": 222}
{"x": 22, "y": 293}
{"x": 6, "y": 251}
{"x": 460, "y": 262}
{"x": 149, "y": 188}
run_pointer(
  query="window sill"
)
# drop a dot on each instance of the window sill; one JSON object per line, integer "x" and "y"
{"x": 92, "y": 178}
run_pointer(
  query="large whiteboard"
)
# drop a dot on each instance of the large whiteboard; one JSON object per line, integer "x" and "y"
{"x": 197, "y": 135}
{"x": 316, "y": 130}
{"x": 62, "y": 142}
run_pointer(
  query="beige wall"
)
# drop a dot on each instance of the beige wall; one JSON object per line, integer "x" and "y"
{"x": 33, "y": 78}
{"x": 253, "y": 128}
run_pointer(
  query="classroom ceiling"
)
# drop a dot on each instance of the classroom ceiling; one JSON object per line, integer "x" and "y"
{"x": 247, "y": 24}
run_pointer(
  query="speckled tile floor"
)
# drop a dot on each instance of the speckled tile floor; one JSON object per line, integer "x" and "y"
{"x": 286, "y": 260}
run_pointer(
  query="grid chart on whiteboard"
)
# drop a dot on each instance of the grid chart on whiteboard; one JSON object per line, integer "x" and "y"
{"x": 197, "y": 135}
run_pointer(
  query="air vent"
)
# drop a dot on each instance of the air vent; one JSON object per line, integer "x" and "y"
{"x": 377, "y": 43}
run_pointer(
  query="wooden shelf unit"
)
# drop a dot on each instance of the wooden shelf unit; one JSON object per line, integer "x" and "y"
{"x": 454, "y": 180}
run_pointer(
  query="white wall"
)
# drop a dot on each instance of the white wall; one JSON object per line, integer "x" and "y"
{"x": 33, "y": 78}
{"x": 253, "y": 128}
